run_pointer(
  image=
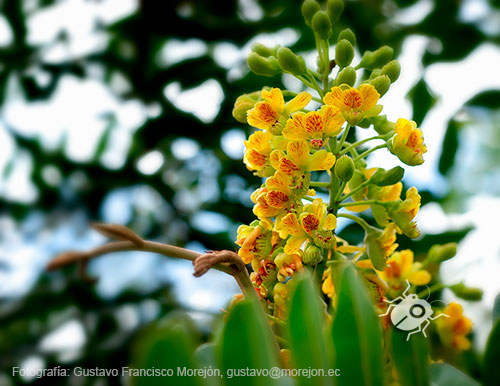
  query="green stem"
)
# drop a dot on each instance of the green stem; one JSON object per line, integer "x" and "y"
{"x": 315, "y": 82}
{"x": 343, "y": 138}
{"x": 319, "y": 184}
{"x": 356, "y": 144}
{"x": 431, "y": 289}
{"x": 363, "y": 155}
{"x": 357, "y": 189}
{"x": 326, "y": 71}
{"x": 356, "y": 219}
{"x": 357, "y": 203}
{"x": 341, "y": 190}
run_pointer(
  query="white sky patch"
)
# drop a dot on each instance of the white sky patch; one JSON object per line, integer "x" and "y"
{"x": 210, "y": 222}
{"x": 415, "y": 13}
{"x": 17, "y": 186}
{"x": 31, "y": 365}
{"x": 6, "y": 36}
{"x": 202, "y": 101}
{"x": 250, "y": 10}
{"x": 232, "y": 143}
{"x": 150, "y": 163}
{"x": 68, "y": 337}
{"x": 175, "y": 51}
{"x": 184, "y": 148}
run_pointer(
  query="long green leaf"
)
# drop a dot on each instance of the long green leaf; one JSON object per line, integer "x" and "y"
{"x": 247, "y": 343}
{"x": 496, "y": 309}
{"x": 491, "y": 373}
{"x": 205, "y": 355}
{"x": 357, "y": 336}
{"x": 443, "y": 374}
{"x": 311, "y": 346}
{"x": 411, "y": 358}
{"x": 169, "y": 347}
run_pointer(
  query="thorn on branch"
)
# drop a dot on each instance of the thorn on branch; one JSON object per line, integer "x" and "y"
{"x": 118, "y": 232}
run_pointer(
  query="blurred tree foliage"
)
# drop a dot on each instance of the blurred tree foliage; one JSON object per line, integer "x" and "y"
{"x": 132, "y": 51}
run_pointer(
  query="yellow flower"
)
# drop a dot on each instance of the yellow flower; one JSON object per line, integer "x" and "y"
{"x": 313, "y": 223}
{"x": 287, "y": 265}
{"x": 399, "y": 268}
{"x": 355, "y": 104}
{"x": 314, "y": 126}
{"x": 380, "y": 244}
{"x": 327, "y": 286}
{"x": 408, "y": 142}
{"x": 403, "y": 212}
{"x": 299, "y": 160}
{"x": 257, "y": 151}
{"x": 271, "y": 114}
{"x": 454, "y": 329}
{"x": 255, "y": 241}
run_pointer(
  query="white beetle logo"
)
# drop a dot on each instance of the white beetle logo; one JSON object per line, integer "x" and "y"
{"x": 412, "y": 313}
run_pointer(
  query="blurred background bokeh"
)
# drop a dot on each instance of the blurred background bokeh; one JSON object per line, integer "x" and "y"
{"x": 119, "y": 111}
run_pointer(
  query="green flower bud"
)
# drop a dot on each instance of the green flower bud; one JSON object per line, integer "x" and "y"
{"x": 263, "y": 50}
{"x": 392, "y": 70}
{"x": 381, "y": 84}
{"x": 375, "y": 247}
{"x": 244, "y": 103}
{"x": 384, "y": 177}
{"x": 467, "y": 293}
{"x": 375, "y": 73}
{"x": 263, "y": 66}
{"x": 312, "y": 255}
{"x": 440, "y": 253}
{"x": 382, "y": 56}
{"x": 380, "y": 124}
{"x": 290, "y": 62}
{"x": 344, "y": 168}
{"x": 309, "y": 8}
{"x": 346, "y": 76}
{"x": 344, "y": 52}
{"x": 347, "y": 34}
{"x": 335, "y": 9}
{"x": 321, "y": 25}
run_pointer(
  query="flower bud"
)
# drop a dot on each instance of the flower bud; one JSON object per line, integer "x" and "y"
{"x": 344, "y": 168}
{"x": 387, "y": 177}
{"x": 380, "y": 124}
{"x": 313, "y": 255}
{"x": 309, "y": 8}
{"x": 347, "y": 34}
{"x": 263, "y": 66}
{"x": 244, "y": 103}
{"x": 346, "y": 76}
{"x": 344, "y": 52}
{"x": 290, "y": 62}
{"x": 392, "y": 70}
{"x": 440, "y": 253}
{"x": 381, "y": 84}
{"x": 263, "y": 50}
{"x": 321, "y": 25}
{"x": 335, "y": 9}
{"x": 467, "y": 293}
{"x": 375, "y": 73}
{"x": 382, "y": 56}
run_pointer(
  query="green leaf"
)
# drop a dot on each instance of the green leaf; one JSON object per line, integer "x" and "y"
{"x": 491, "y": 373}
{"x": 309, "y": 343}
{"x": 496, "y": 309}
{"x": 357, "y": 336}
{"x": 205, "y": 355}
{"x": 422, "y": 101}
{"x": 167, "y": 346}
{"x": 247, "y": 342}
{"x": 449, "y": 147}
{"x": 411, "y": 358}
{"x": 443, "y": 374}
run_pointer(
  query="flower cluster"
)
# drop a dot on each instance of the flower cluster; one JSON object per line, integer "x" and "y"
{"x": 303, "y": 145}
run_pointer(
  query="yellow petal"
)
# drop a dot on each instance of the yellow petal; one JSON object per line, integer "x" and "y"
{"x": 321, "y": 160}
{"x": 366, "y": 264}
{"x": 294, "y": 128}
{"x": 298, "y": 151}
{"x": 333, "y": 120}
{"x": 279, "y": 181}
{"x": 263, "y": 116}
{"x": 299, "y": 102}
{"x": 290, "y": 225}
{"x": 335, "y": 98}
{"x": 275, "y": 99}
{"x": 330, "y": 222}
{"x": 293, "y": 244}
{"x": 353, "y": 99}
{"x": 313, "y": 124}
{"x": 419, "y": 278}
{"x": 370, "y": 96}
